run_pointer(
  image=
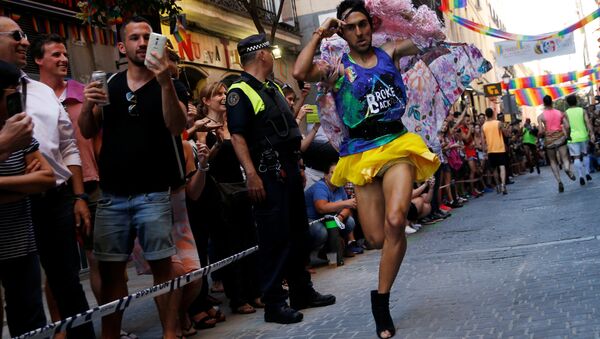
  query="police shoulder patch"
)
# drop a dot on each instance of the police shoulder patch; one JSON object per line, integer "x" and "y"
{"x": 233, "y": 98}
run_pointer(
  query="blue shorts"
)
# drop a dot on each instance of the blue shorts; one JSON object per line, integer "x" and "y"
{"x": 119, "y": 219}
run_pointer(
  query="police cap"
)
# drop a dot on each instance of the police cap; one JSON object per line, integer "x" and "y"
{"x": 253, "y": 43}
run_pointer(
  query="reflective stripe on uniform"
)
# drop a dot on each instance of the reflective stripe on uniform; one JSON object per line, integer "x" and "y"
{"x": 257, "y": 102}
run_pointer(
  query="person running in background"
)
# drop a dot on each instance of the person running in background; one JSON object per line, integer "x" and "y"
{"x": 530, "y": 143}
{"x": 496, "y": 150}
{"x": 554, "y": 126}
{"x": 582, "y": 132}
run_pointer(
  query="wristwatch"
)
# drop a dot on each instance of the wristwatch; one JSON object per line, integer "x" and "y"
{"x": 82, "y": 196}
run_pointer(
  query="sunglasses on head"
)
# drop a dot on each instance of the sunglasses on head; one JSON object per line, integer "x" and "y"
{"x": 17, "y": 35}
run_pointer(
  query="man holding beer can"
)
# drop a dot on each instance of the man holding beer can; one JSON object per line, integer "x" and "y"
{"x": 140, "y": 162}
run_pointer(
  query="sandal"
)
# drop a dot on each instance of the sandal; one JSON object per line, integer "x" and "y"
{"x": 204, "y": 322}
{"x": 380, "y": 307}
{"x": 127, "y": 335}
{"x": 244, "y": 309}
{"x": 257, "y": 303}
{"x": 217, "y": 314}
{"x": 190, "y": 331}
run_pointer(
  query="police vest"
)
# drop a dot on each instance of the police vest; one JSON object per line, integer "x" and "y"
{"x": 273, "y": 124}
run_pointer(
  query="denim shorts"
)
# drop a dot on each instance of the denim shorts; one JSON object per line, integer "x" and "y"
{"x": 578, "y": 148}
{"x": 119, "y": 219}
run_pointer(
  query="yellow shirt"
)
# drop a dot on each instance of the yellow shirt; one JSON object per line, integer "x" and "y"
{"x": 493, "y": 137}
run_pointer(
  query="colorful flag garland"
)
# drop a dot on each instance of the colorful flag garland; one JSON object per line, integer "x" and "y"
{"x": 534, "y": 96}
{"x": 550, "y": 79}
{"x": 493, "y": 32}
{"x": 450, "y": 5}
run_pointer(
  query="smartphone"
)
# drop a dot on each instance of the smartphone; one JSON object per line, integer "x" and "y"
{"x": 156, "y": 43}
{"x": 300, "y": 84}
{"x": 313, "y": 117}
{"x": 14, "y": 104}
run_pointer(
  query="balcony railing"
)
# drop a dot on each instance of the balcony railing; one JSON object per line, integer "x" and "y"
{"x": 267, "y": 12}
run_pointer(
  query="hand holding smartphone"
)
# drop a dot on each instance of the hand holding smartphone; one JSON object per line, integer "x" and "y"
{"x": 156, "y": 43}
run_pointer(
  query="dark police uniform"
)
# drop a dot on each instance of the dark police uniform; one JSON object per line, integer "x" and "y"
{"x": 259, "y": 112}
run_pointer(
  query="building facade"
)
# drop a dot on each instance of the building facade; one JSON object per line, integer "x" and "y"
{"x": 213, "y": 29}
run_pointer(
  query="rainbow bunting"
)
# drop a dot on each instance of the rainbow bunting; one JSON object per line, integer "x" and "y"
{"x": 450, "y": 5}
{"x": 489, "y": 31}
{"x": 549, "y": 79}
{"x": 534, "y": 96}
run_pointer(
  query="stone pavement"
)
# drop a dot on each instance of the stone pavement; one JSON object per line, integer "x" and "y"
{"x": 525, "y": 265}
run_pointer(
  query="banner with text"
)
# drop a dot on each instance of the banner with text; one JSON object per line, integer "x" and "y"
{"x": 509, "y": 53}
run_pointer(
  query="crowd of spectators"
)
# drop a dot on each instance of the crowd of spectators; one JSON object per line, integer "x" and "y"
{"x": 204, "y": 214}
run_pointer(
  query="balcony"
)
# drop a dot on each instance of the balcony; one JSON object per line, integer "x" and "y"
{"x": 267, "y": 12}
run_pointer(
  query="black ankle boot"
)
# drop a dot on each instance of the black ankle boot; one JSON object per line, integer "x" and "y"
{"x": 380, "y": 306}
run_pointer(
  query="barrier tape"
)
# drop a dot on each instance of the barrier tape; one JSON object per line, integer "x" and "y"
{"x": 125, "y": 302}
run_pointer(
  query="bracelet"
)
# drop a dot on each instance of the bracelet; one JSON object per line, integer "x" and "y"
{"x": 203, "y": 169}
{"x": 319, "y": 32}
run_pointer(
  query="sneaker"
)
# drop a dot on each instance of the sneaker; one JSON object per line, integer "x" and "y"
{"x": 409, "y": 230}
{"x": 504, "y": 191}
{"x": 440, "y": 215}
{"x": 581, "y": 181}
{"x": 445, "y": 208}
{"x": 417, "y": 227}
{"x": 456, "y": 204}
{"x": 561, "y": 187}
{"x": 571, "y": 175}
{"x": 588, "y": 177}
{"x": 355, "y": 248}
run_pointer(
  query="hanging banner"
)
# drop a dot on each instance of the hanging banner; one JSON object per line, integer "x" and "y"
{"x": 509, "y": 53}
{"x": 493, "y": 32}
{"x": 534, "y": 96}
{"x": 551, "y": 79}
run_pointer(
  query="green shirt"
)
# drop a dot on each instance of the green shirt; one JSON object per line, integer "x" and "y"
{"x": 579, "y": 132}
{"x": 528, "y": 137}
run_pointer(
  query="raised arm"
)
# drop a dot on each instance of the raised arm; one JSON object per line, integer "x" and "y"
{"x": 174, "y": 112}
{"x": 90, "y": 119}
{"x": 304, "y": 68}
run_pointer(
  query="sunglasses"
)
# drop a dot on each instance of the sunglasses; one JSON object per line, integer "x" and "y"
{"x": 17, "y": 35}
{"x": 132, "y": 100}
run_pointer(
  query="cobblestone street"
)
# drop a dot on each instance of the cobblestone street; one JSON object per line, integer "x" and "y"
{"x": 524, "y": 265}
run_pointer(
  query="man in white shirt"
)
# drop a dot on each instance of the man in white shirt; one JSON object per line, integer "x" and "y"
{"x": 55, "y": 212}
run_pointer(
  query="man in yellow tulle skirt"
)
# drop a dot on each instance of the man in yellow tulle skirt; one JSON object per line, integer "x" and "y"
{"x": 378, "y": 155}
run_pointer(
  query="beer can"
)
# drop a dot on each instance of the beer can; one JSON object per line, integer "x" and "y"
{"x": 101, "y": 76}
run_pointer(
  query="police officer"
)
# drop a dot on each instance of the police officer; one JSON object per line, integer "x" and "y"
{"x": 266, "y": 139}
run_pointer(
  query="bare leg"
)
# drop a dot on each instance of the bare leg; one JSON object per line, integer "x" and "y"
{"x": 502, "y": 170}
{"x": 95, "y": 282}
{"x": 397, "y": 190}
{"x": 188, "y": 295}
{"x": 114, "y": 286}
{"x": 564, "y": 156}
{"x": 551, "y": 154}
{"x": 167, "y": 304}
